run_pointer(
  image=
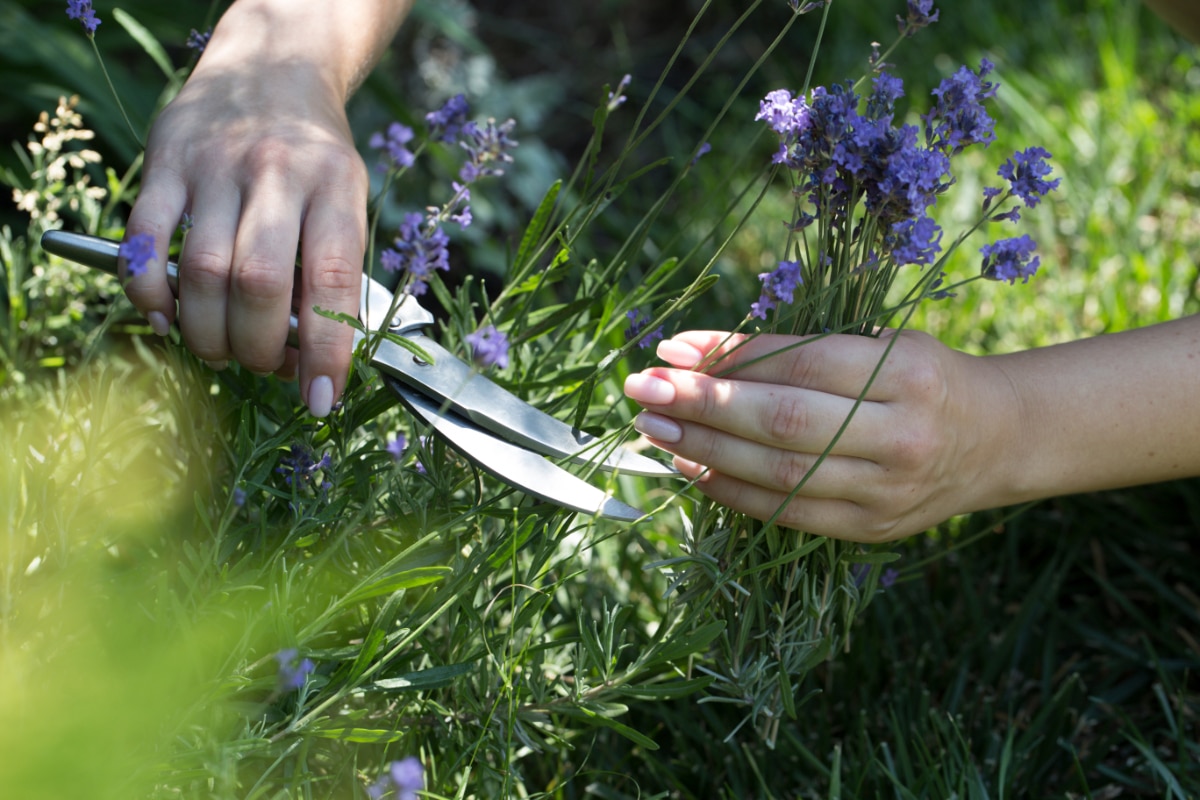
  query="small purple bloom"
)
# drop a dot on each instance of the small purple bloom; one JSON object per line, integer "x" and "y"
{"x": 1009, "y": 259}
{"x": 779, "y": 286}
{"x": 489, "y": 347}
{"x": 82, "y": 10}
{"x": 393, "y": 143}
{"x": 293, "y": 671}
{"x": 445, "y": 123}
{"x": 396, "y": 447}
{"x": 617, "y": 97}
{"x": 421, "y": 247}
{"x": 299, "y": 467}
{"x": 406, "y": 776}
{"x": 888, "y": 578}
{"x": 1026, "y": 172}
{"x": 915, "y": 241}
{"x": 487, "y": 146}
{"x": 887, "y": 89}
{"x": 138, "y": 252}
{"x": 958, "y": 118}
{"x": 785, "y": 115}
{"x": 921, "y": 14}
{"x": 637, "y": 324}
{"x": 701, "y": 151}
{"x": 238, "y": 496}
{"x": 198, "y": 41}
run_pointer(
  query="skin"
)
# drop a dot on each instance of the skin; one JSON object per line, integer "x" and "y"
{"x": 257, "y": 148}
{"x": 939, "y": 432}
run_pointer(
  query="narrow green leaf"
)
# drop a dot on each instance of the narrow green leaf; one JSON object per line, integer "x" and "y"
{"x": 688, "y": 643}
{"x": 537, "y": 225}
{"x": 407, "y": 579}
{"x": 425, "y": 680}
{"x": 669, "y": 690}
{"x": 589, "y": 716}
{"x": 146, "y": 39}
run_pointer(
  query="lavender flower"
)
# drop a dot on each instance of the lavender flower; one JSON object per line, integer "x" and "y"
{"x": 293, "y": 671}
{"x": 1009, "y": 259}
{"x": 617, "y": 97}
{"x": 958, "y": 118}
{"x": 703, "y": 150}
{"x": 238, "y": 496}
{"x": 489, "y": 347}
{"x": 637, "y": 324}
{"x": 396, "y": 447}
{"x": 420, "y": 248}
{"x": 198, "y": 41}
{"x": 299, "y": 467}
{"x": 786, "y": 115}
{"x": 779, "y": 285}
{"x": 488, "y": 146}
{"x": 446, "y": 123}
{"x": 888, "y": 578}
{"x": 82, "y": 10}
{"x": 921, "y": 14}
{"x": 138, "y": 252}
{"x": 393, "y": 144}
{"x": 1025, "y": 173}
{"x": 915, "y": 241}
{"x": 406, "y": 776}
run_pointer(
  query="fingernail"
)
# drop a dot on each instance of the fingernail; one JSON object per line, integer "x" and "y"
{"x": 643, "y": 388}
{"x": 656, "y": 426}
{"x": 217, "y": 366}
{"x": 679, "y": 354}
{"x": 158, "y": 323}
{"x": 320, "y": 396}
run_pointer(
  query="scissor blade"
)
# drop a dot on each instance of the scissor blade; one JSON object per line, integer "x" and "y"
{"x": 495, "y": 409}
{"x": 514, "y": 465}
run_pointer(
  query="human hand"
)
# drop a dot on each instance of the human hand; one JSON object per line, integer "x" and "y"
{"x": 259, "y": 152}
{"x": 920, "y": 448}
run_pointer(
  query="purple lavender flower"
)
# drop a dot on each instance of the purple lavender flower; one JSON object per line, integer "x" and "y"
{"x": 617, "y": 97}
{"x": 886, "y": 90}
{"x": 393, "y": 144}
{"x": 779, "y": 286}
{"x": 445, "y": 123}
{"x": 238, "y": 496}
{"x": 921, "y": 14}
{"x": 1025, "y": 173}
{"x": 299, "y": 467}
{"x": 701, "y": 151}
{"x": 420, "y": 248}
{"x": 915, "y": 241}
{"x": 406, "y": 776}
{"x": 458, "y": 210}
{"x": 958, "y": 118}
{"x": 82, "y": 10}
{"x": 293, "y": 671}
{"x": 487, "y": 146}
{"x": 638, "y": 323}
{"x": 138, "y": 252}
{"x": 489, "y": 347}
{"x": 396, "y": 447}
{"x": 1009, "y": 259}
{"x": 198, "y": 41}
{"x": 786, "y": 115}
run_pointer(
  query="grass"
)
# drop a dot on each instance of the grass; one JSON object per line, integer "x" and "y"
{"x": 1042, "y": 652}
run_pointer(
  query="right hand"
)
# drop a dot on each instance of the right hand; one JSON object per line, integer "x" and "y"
{"x": 260, "y": 154}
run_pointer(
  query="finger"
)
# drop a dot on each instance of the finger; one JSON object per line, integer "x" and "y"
{"x": 774, "y": 468}
{"x": 839, "y": 364}
{"x": 291, "y": 362}
{"x": 331, "y": 274}
{"x": 801, "y": 420}
{"x": 204, "y": 267}
{"x": 836, "y": 518}
{"x": 260, "y": 283}
{"x": 156, "y": 213}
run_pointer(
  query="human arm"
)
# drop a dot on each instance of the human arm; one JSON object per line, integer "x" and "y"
{"x": 939, "y": 432}
{"x": 257, "y": 149}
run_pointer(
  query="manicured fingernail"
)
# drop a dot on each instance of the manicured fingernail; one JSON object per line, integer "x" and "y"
{"x": 320, "y": 396}
{"x": 656, "y": 426}
{"x": 643, "y": 388}
{"x": 217, "y": 366}
{"x": 158, "y": 323}
{"x": 679, "y": 354}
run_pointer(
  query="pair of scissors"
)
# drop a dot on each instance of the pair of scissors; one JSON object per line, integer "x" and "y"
{"x": 495, "y": 430}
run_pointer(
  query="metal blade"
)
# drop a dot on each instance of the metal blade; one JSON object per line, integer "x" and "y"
{"x": 495, "y": 409}
{"x": 514, "y": 465}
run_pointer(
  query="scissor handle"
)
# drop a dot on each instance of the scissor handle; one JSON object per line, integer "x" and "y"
{"x": 374, "y": 302}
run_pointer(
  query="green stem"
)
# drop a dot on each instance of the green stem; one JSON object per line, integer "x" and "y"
{"x": 108, "y": 79}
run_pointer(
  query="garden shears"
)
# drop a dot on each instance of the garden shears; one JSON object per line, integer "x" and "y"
{"x": 495, "y": 430}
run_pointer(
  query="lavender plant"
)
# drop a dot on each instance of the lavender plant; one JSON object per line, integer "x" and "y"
{"x": 866, "y": 184}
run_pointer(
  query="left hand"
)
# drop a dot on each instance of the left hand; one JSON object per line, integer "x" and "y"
{"x": 917, "y": 450}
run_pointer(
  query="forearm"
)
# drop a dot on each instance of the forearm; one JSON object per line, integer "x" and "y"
{"x": 343, "y": 40}
{"x": 1102, "y": 413}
